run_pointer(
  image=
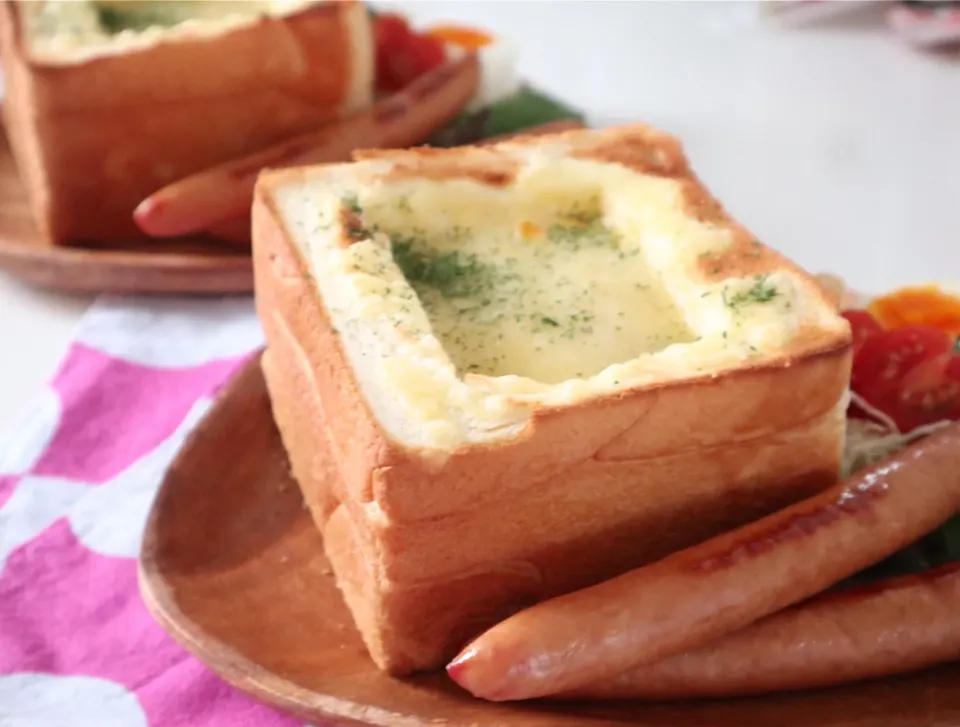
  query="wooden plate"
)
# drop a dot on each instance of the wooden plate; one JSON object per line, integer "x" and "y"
{"x": 233, "y": 568}
{"x": 199, "y": 265}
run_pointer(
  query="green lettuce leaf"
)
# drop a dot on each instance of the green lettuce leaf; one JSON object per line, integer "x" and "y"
{"x": 528, "y": 107}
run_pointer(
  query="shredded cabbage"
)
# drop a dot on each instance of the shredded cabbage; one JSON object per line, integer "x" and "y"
{"x": 870, "y": 441}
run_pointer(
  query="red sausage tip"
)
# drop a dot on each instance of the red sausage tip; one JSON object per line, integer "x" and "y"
{"x": 459, "y": 668}
{"x": 472, "y": 672}
{"x": 145, "y": 212}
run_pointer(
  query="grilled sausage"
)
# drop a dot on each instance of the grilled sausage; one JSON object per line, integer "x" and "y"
{"x": 719, "y": 586}
{"x": 237, "y": 230}
{"x": 891, "y": 627}
{"x": 225, "y": 192}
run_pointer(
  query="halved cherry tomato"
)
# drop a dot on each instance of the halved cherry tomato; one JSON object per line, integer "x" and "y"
{"x": 402, "y": 54}
{"x": 393, "y": 35}
{"x": 887, "y": 356}
{"x": 427, "y": 53}
{"x": 863, "y": 326}
{"x": 929, "y": 393}
{"x": 392, "y": 31}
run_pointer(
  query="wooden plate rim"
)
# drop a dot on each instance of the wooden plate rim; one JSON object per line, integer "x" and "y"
{"x": 212, "y": 652}
{"x": 205, "y": 266}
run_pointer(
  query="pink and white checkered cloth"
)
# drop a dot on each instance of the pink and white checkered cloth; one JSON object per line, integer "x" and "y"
{"x": 77, "y": 477}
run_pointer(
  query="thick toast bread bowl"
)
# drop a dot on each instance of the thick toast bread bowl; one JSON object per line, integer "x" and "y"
{"x": 450, "y": 494}
{"x": 96, "y": 129}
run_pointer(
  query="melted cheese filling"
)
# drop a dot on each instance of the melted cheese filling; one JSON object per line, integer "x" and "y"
{"x": 549, "y": 295}
{"x": 77, "y": 29}
{"x": 441, "y": 293}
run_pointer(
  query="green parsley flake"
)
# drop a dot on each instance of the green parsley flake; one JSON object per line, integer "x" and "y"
{"x": 762, "y": 291}
{"x": 452, "y": 274}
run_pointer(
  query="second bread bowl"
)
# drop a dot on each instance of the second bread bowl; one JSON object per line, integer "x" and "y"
{"x": 109, "y": 101}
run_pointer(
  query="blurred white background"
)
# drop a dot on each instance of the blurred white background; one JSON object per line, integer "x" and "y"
{"x": 834, "y": 142}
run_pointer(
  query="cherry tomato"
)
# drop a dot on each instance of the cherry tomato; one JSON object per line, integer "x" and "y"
{"x": 863, "y": 326}
{"x": 392, "y": 31}
{"x": 402, "y": 54}
{"x": 427, "y": 53}
{"x": 886, "y": 357}
{"x": 929, "y": 393}
{"x": 393, "y": 35}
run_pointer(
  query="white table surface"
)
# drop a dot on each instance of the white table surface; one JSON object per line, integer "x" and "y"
{"x": 833, "y": 143}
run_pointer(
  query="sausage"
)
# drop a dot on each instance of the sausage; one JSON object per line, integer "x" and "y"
{"x": 719, "y": 586}
{"x": 235, "y": 231}
{"x": 892, "y": 627}
{"x": 224, "y": 192}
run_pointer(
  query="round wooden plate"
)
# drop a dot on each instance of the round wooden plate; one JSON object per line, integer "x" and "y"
{"x": 199, "y": 265}
{"x": 233, "y": 568}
